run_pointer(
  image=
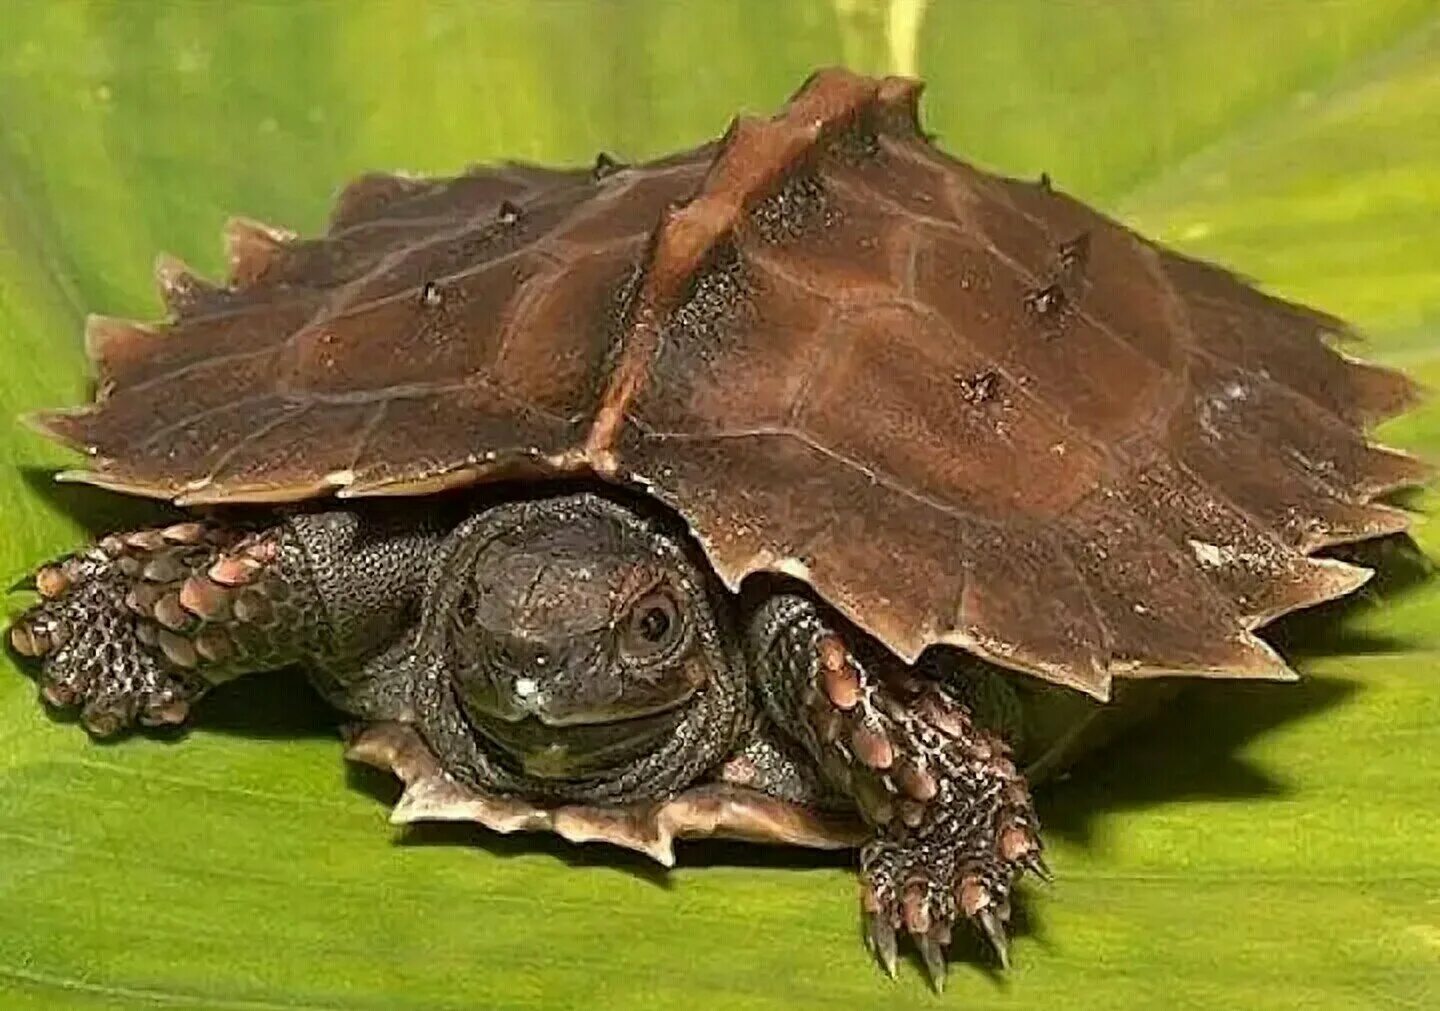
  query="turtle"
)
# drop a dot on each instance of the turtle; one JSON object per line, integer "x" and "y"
{"x": 811, "y": 486}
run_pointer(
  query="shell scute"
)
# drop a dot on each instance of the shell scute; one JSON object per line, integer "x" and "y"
{"x": 253, "y": 249}
{"x": 967, "y": 409}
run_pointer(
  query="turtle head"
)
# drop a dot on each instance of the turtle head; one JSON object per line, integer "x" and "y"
{"x": 576, "y": 632}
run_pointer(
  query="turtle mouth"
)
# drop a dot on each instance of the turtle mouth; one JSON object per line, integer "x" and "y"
{"x": 574, "y": 749}
{"x": 595, "y": 718}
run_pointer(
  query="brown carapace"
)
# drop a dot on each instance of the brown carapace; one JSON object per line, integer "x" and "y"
{"x": 966, "y": 409}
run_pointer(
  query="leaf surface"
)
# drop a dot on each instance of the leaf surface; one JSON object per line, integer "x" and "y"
{"x": 1258, "y": 846}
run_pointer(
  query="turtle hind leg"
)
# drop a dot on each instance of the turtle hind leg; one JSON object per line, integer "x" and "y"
{"x": 952, "y": 821}
{"x": 137, "y": 627}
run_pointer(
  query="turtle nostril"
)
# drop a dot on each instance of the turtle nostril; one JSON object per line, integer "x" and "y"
{"x": 523, "y": 656}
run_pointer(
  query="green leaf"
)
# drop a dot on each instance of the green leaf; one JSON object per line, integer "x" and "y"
{"x": 1258, "y": 846}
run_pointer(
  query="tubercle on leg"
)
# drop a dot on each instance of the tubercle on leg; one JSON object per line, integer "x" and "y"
{"x": 952, "y": 813}
{"x": 205, "y": 596}
{"x": 138, "y": 625}
{"x": 172, "y": 610}
{"x": 880, "y": 731}
{"x": 114, "y": 558}
{"x": 914, "y": 757}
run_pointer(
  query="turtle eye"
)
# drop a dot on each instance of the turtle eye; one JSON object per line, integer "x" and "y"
{"x": 652, "y": 625}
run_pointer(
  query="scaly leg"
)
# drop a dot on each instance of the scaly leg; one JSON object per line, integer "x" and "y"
{"x": 139, "y": 626}
{"x": 952, "y": 817}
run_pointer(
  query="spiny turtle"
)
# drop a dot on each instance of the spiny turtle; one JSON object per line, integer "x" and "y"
{"x": 809, "y": 486}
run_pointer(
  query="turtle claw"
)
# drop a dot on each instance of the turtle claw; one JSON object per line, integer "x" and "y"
{"x": 28, "y": 641}
{"x": 925, "y": 890}
{"x": 880, "y": 939}
{"x": 1036, "y": 865}
{"x": 103, "y": 721}
{"x": 166, "y": 709}
{"x": 932, "y": 952}
{"x": 994, "y": 932}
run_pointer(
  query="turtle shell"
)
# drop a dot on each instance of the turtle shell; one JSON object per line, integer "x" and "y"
{"x": 966, "y": 409}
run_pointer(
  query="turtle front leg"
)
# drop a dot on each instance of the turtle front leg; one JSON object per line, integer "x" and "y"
{"x": 953, "y": 822}
{"x": 137, "y": 627}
